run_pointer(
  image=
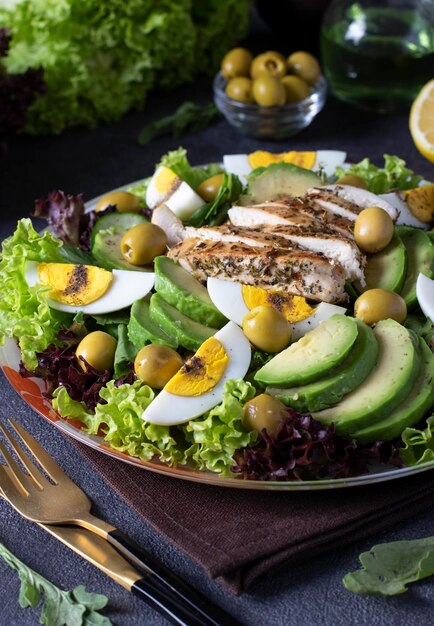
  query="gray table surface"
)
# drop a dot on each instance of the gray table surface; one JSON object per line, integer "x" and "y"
{"x": 93, "y": 161}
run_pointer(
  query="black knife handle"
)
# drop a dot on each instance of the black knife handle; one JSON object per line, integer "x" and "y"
{"x": 168, "y": 593}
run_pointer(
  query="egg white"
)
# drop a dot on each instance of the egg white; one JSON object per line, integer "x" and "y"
{"x": 227, "y": 296}
{"x": 184, "y": 201}
{"x": 168, "y": 409}
{"x": 405, "y": 216}
{"x": 326, "y": 160}
{"x": 125, "y": 288}
{"x": 425, "y": 295}
{"x": 155, "y": 192}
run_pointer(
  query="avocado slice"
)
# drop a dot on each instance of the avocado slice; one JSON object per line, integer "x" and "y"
{"x": 412, "y": 410}
{"x": 188, "y": 333}
{"x": 344, "y": 378}
{"x": 179, "y": 288}
{"x": 312, "y": 356}
{"x": 420, "y": 258}
{"x": 278, "y": 180}
{"x": 386, "y": 269}
{"x": 142, "y": 329}
{"x": 387, "y": 385}
{"x": 106, "y": 249}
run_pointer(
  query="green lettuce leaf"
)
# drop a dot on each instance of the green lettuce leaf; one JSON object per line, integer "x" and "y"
{"x": 215, "y": 436}
{"x": 394, "y": 174}
{"x": 389, "y": 567}
{"x": 139, "y": 190}
{"x": 419, "y": 444}
{"x": 69, "y": 608}
{"x": 24, "y": 312}
{"x": 100, "y": 59}
{"x": 121, "y": 423}
{"x": 177, "y": 161}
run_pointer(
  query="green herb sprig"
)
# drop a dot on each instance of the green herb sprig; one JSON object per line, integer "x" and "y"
{"x": 188, "y": 118}
{"x": 60, "y": 608}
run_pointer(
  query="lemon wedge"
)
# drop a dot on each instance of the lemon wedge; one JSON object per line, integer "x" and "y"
{"x": 422, "y": 121}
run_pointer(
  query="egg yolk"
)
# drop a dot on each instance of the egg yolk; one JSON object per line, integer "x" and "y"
{"x": 260, "y": 158}
{"x": 74, "y": 284}
{"x": 201, "y": 372}
{"x": 294, "y": 308}
{"x": 165, "y": 180}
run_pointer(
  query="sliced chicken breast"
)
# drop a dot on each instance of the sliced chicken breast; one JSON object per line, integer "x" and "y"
{"x": 355, "y": 195}
{"x": 298, "y": 272}
{"x": 233, "y": 234}
{"x": 163, "y": 217}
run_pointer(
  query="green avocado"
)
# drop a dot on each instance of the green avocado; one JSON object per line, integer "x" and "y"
{"x": 312, "y": 356}
{"x": 419, "y": 401}
{"x": 188, "y": 333}
{"x": 344, "y": 378}
{"x": 106, "y": 249}
{"x": 386, "y": 269}
{"x": 420, "y": 258}
{"x": 278, "y": 180}
{"x": 386, "y": 387}
{"x": 180, "y": 289}
{"x": 142, "y": 329}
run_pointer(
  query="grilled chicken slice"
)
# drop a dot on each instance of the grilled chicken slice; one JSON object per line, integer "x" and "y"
{"x": 354, "y": 195}
{"x": 334, "y": 246}
{"x": 163, "y": 217}
{"x": 290, "y": 212}
{"x": 298, "y": 272}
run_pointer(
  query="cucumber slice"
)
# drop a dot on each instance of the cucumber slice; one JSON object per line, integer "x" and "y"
{"x": 180, "y": 289}
{"x": 142, "y": 329}
{"x": 386, "y": 269}
{"x": 120, "y": 221}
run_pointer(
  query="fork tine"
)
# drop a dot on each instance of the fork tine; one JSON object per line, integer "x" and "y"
{"x": 12, "y": 476}
{"x": 47, "y": 462}
{"x": 37, "y": 476}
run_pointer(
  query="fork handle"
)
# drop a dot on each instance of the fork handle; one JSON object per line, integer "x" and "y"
{"x": 180, "y": 602}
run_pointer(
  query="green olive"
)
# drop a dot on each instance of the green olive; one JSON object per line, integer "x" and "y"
{"x": 240, "y": 89}
{"x": 267, "y": 329}
{"x": 373, "y": 229}
{"x": 380, "y": 304}
{"x": 236, "y": 62}
{"x": 354, "y": 181}
{"x": 210, "y": 187}
{"x": 97, "y": 349}
{"x": 124, "y": 202}
{"x": 269, "y": 63}
{"x": 268, "y": 91}
{"x": 155, "y": 365}
{"x": 264, "y": 411}
{"x": 142, "y": 243}
{"x": 296, "y": 88}
{"x": 304, "y": 65}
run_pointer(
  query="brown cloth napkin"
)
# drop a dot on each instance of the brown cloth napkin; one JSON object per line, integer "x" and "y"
{"x": 238, "y": 535}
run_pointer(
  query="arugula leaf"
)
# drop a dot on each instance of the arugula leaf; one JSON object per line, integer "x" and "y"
{"x": 389, "y": 567}
{"x": 77, "y": 256}
{"x": 125, "y": 352}
{"x": 214, "y": 213}
{"x": 69, "y": 608}
{"x": 188, "y": 118}
{"x": 394, "y": 174}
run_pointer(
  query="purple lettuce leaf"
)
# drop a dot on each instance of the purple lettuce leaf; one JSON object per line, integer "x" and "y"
{"x": 304, "y": 449}
{"x": 63, "y": 213}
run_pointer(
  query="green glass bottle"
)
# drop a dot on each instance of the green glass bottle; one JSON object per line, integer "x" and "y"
{"x": 377, "y": 54}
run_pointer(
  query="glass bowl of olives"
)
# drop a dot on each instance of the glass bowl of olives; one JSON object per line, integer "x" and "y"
{"x": 269, "y": 95}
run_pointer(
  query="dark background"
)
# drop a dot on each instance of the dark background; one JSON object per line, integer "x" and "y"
{"x": 92, "y": 162}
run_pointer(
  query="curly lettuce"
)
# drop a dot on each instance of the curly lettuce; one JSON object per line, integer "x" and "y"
{"x": 24, "y": 312}
{"x": 418, "y": 444}
{"x": 177, "y": 161}
{"x": 394, "y": 174}
{"x": 208, "y": 442}
{"x": 101, "y": 59}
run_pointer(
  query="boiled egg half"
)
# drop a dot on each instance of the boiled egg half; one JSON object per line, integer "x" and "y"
{"x": 87, "y": 288}
{"x": 199, "y": 385}
{"x": 235, "y": 300}
{"x": 425, "y": 295}
{"x": 243, "y": 164}
{"x": 167, "y": 187}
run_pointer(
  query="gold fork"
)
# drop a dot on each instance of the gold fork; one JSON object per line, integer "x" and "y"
{"x": 63, "y": 502}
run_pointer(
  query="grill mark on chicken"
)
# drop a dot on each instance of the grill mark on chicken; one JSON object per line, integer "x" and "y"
{"x": 297, "y": 272}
